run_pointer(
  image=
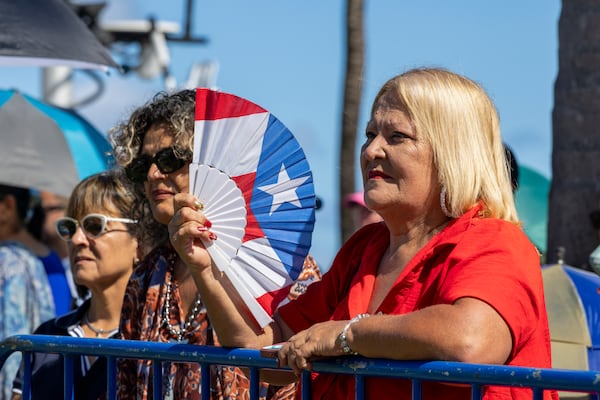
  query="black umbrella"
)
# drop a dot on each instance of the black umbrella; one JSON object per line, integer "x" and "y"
{"x": 48, "y": 33}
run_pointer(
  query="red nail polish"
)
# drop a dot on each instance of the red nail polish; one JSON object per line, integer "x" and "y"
{"x": 208, "y": 224}
{"x": 202, "y": 229}
{"x": 212, "y": 236}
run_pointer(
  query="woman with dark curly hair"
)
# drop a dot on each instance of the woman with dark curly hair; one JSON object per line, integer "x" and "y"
{"x": 162, "y": 303}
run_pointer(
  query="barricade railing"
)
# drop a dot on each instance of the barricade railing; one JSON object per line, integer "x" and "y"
{"x": 476, "y": 375}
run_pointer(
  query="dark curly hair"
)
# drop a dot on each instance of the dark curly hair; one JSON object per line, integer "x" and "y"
{"x": 175, "y": 113}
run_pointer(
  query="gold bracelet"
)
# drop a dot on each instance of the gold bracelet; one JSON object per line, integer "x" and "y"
{"x": 342, "y": 337}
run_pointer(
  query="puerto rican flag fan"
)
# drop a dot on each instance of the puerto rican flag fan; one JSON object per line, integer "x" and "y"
{"x": 255, "y": 184}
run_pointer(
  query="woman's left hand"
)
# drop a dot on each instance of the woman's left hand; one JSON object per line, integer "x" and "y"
{"x": 320, "y": 340}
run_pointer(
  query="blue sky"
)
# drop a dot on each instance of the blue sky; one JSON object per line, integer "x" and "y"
{"x": 288, "y": 56}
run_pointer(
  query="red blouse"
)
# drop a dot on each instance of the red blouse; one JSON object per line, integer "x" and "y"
{"x": 484, "y": 258}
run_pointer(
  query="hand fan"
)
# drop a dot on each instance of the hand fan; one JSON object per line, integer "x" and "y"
{"x": 256, "y": 186}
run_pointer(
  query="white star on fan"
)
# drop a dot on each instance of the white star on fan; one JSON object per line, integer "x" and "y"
{"x": 284, "y": 191}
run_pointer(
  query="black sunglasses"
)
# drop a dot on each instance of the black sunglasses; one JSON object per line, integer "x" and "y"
{"x": 166, "y": 161}
{"x": 93, "y": 226}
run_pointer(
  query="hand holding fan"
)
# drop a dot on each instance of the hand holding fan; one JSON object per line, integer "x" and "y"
{"x": 256, "y": 186}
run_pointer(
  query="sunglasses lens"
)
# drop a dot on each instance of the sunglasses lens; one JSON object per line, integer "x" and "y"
{"x": 93, "y": 225}
{"x": 137, "y": 171}
{"x": 167, "y": 161}
{"x": 66, "y": 228}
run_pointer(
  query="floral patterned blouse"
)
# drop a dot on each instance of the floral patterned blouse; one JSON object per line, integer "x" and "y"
{"x": 25, "y": 302}
{"x": 141, "y": 319}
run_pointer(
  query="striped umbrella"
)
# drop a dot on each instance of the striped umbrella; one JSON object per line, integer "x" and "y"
{"x": 573, "y": 305}
{"x": 46, "y": 147}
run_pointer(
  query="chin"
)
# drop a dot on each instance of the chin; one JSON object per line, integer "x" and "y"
{"x": 162, "y": 214}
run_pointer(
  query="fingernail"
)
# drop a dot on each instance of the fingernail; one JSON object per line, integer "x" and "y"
{"x": 212, "y": 236}
{"x": 208, "y": 224}
{"x": 199, "y": 206}
{"x": 202, "y": 229}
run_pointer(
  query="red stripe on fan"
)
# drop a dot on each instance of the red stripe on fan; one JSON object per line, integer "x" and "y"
{"x": 212, "y": 105}
{"x": 246, "y": 184}
{"x": 271, "y": 300}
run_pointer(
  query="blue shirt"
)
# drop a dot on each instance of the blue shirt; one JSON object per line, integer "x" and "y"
{"x": 61, "y": 292}
{"x": 25, "y": 301}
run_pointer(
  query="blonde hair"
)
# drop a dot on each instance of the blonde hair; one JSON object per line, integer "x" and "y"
{"x": 460, "y": 122}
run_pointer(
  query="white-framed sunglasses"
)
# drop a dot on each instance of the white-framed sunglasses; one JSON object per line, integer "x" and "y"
{"x": 93, "y": 226}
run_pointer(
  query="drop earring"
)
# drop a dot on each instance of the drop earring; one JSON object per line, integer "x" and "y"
{"x": 445, "y": 210}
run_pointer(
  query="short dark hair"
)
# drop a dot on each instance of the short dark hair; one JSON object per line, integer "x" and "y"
{"x": 22, "y": 197}
{"x": 514, "y": 168}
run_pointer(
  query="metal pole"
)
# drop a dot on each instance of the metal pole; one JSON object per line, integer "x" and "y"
{"x": 57, "y": 86}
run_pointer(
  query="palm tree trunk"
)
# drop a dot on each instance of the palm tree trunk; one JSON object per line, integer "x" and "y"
{"x": 351, "y": 107}
{"x": 575, "y": 188}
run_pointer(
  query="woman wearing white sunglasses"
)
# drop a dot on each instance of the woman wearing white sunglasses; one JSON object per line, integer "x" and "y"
{"x": 103, "y": 249}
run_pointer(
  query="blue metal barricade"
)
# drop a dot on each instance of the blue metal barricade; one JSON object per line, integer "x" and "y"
{"x": 476, "y": 375}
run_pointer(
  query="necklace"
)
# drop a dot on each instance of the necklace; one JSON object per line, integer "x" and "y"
{"x": 186, "y": 327}
{"x": 98, "y": 332}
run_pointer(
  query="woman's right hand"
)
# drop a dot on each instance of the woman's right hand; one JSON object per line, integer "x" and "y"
{"x": 189, "y": 229}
